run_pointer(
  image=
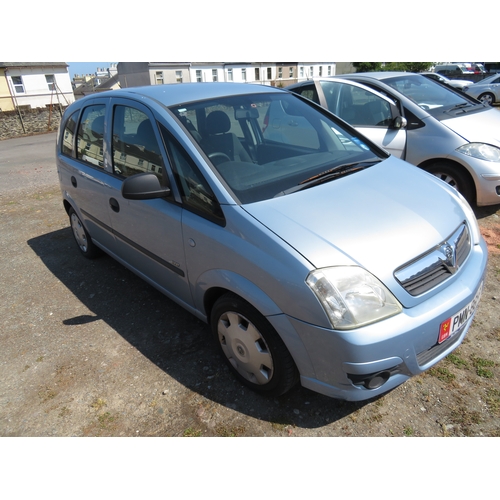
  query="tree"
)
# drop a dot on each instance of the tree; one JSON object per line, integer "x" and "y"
{"x": 362, "y": 67}
{"x": 413, "y": 67}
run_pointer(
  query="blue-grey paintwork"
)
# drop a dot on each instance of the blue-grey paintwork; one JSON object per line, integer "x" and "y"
{"x": 379, "y": 219}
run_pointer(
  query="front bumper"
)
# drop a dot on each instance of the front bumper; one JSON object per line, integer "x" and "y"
{"x": 337, "y": 363}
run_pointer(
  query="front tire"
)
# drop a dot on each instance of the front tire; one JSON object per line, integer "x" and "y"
{"x": 251, "y": 347}
{"x": 487, "y": 98}
{"x": 82, "y": 237}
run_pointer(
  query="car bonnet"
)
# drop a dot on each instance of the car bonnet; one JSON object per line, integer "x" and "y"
{"x": 379, "y": 218}
{"x": 482, "y": 126}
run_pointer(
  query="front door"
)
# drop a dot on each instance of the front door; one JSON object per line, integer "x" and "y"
{"x": 148, "y": 233}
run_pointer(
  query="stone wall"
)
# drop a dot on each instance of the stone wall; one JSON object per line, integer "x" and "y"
{"x": 29, "y": 121}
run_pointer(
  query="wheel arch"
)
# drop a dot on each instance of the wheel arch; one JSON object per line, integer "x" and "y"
{"x": 216, "y": 282}
{"x": 427, "y": 164}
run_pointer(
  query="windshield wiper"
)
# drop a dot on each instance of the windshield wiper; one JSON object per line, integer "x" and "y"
{"x": 460, "y": 106}
{"x": 330, "y": 174}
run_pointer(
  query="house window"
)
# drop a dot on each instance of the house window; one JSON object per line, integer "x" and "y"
{"x": 159, "y": 78}
{"x": 178, "y": 76}
{"x": 321, "y": 71}
{"x": 244, "y": 74}
{"x": 18, "y": 84}
{"x": 257, "y": 74}
{"x": 215, "y": 78}
{"x": 51, "y": 82}
{"x": 269, "y": 74}
{"x": 291, "y": 72}
{"x": 230, "y": 74}
{"x": 311, "y": 71}
{"x": 280, "y": 72}
{"x": 301, "y": 70}
{"x": 198, "y": 76}
{"x": 329, "y": 71}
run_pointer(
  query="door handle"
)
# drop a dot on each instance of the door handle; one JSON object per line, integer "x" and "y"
{"x": 115, "y": 206}
{"x": 73, "y": 181}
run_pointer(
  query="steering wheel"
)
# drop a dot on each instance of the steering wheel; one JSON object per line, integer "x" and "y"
{"x": 222, "y": 157}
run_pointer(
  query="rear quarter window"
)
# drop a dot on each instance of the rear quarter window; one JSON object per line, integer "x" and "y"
{"x": 68, "y": 136}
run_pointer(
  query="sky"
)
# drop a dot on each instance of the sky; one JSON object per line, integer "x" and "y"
{"x": 85, "y": 68}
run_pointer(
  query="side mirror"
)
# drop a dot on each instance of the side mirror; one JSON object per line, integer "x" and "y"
{"x": 399, "y": 122}
{"x": 143, "y": 187}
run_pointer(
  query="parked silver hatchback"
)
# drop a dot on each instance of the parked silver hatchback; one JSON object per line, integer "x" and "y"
{"x": 313, "y": 255}
{"x": 432, "y": 126}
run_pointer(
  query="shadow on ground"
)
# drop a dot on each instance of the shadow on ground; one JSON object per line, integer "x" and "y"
{"x": 169, "y": 336}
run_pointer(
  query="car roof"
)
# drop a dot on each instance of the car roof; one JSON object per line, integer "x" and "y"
{"x": 379, "y": 75}
{"x": 178, "y": 93}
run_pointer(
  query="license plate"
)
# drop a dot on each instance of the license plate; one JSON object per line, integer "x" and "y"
{"x": 454, "y": 324}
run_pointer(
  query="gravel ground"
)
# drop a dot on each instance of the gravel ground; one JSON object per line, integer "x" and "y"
{"x": 88, "y": 349}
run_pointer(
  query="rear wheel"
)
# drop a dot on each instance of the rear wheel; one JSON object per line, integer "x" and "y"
{"x": 251, "y": 347}
{"x": 455, "y": 177}
{"x": 82, "y": 237}
{"x": 487, "y": 98}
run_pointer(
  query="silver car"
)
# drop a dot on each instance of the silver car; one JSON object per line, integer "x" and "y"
{"x": 313, "y": 255}
{"x": 414, "y": 118}
{"x": 462, "y": 85}
{"x": 487, "y": 90}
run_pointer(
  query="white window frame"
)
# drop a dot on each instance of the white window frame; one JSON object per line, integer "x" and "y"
{"x": 159, "y": 78}
{"x": 51, "y": 82}
{"x": 215, "y": 75}
{"x": 199, "y": 78}
{"x": 178, "y": 76}
{"x": 18, "y": 85}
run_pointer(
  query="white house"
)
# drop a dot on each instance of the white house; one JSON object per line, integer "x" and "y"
{"x": 38, "y": 84}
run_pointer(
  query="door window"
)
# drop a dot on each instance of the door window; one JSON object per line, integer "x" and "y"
{"x": 135, "y": 148}
{"x": 196, "y": 194}
{"x": 90, "y": 141}
{"x": 357, "y": 106}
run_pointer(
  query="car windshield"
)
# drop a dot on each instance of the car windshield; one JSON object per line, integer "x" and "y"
{"x": 266, "y": 145}
{"x": 428, "y": 94}
{"x": 489, "y": 80}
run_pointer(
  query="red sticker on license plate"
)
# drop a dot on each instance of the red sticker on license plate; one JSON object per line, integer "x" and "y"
{"x": 452, "y": 325}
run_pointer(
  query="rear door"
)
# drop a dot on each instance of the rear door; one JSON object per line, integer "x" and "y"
{"x": 82, "y": 169}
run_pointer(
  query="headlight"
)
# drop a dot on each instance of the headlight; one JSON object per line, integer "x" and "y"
{"x": 352, "y": 297}
{"x": 480, "y": 151}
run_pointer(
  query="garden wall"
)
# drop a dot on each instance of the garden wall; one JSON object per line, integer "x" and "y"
{"x": 25, "y": 120}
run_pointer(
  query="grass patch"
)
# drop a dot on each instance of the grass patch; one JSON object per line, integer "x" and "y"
{"x": 105, "y": 420}
{"x": 493, "y": 400}
{"x": 408, "y": 431}
{"x": 190, "y": 432}
{"x": 481, "y": 365}
{"x": 457, "y": 361}
{"x": 464, "y": 417}
{"x": 442, "y": 374}
{"x": 223, "y": 431}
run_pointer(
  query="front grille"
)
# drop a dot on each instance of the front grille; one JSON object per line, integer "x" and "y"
{"x": 436, "y": 265}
